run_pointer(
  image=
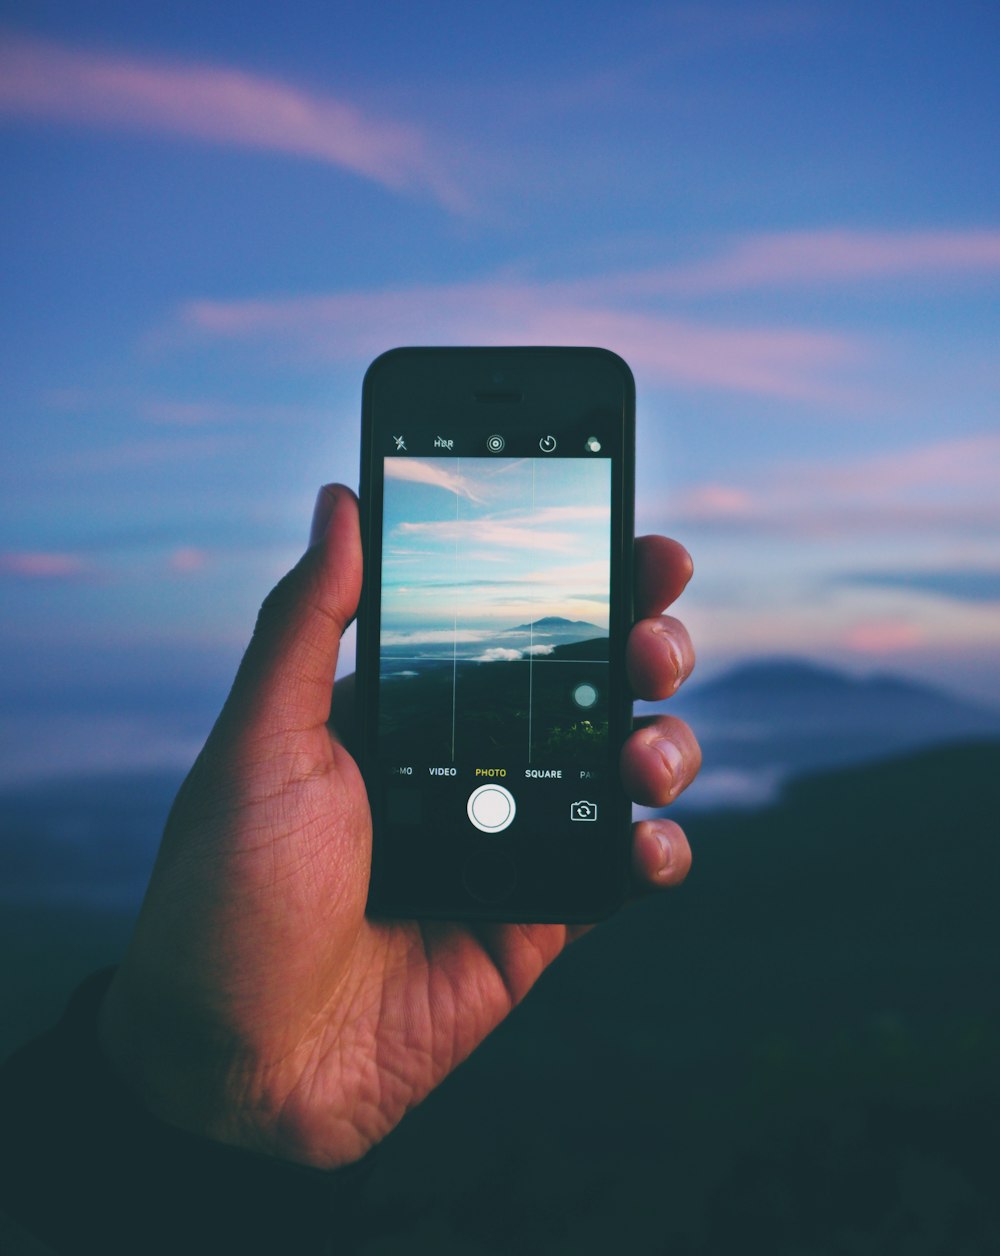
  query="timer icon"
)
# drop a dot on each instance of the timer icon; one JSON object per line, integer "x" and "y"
{"x": 547, "y": 444}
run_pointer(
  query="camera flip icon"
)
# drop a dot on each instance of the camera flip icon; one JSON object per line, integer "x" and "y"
{"x": 583, "y": 810}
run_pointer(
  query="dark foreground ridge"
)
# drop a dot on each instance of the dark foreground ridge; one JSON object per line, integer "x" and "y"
{"x": 796, "y": 1052}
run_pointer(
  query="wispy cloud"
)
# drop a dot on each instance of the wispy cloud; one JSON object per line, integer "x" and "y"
{"x": 572, "y": 514}
{"x": 45, "y": 565}
{"x": 166, "y": 411}
{"x": 133, "y": 454}
{"x": 788, "y": 362}
{"x": 463, "y": 636}
{"x": 821, "y": 258}
{"x": 700, "y": 27}
{"x": 636, "y": 312}
{"x": 492, "y": 534}
{"x": 960, "y": 584}
{"x": 965, "y": 463}
{"x": 219, "y": 105}
{"x": 941, "y": 484}
{"x": 417, "y": 471}
{"x": 102, "y": 564}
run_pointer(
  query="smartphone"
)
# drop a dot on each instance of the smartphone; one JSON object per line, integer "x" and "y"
{"x": 497, "y": 503}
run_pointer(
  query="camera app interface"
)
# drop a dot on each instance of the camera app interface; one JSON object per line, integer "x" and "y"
{"x": 494, "y": 617}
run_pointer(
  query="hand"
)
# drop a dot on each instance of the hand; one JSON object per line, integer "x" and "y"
{"x": 257, "y": 1004}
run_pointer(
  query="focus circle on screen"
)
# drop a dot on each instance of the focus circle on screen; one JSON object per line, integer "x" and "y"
{"x": 491, "y": 808}
{"x": 585, "y": 696}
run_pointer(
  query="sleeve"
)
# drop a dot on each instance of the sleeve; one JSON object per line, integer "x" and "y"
{"x": 85, "y": 1169}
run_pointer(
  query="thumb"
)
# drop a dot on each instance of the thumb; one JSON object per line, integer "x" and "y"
{"x": 285, "y": 681}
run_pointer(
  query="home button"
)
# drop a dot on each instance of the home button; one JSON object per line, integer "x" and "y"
{"x": 489, "y": 876}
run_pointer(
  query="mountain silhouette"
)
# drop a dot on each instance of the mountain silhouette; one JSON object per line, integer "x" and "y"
{"x": 557, "y": 626}
{"x": 765, "y": 721}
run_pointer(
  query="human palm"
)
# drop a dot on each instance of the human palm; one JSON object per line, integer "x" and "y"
{"x": 257, "y": 1003}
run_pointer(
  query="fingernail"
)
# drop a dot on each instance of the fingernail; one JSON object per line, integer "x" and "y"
{"x": 326, "y": 499}
{"x": 676, "y": 654}
{"x": 671, "y": 755}
{"x": 666, "y": 854}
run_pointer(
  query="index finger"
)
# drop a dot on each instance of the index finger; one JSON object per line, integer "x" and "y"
{"x": 662, "y": 569}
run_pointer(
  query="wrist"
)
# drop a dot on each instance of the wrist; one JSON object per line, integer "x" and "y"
{"x": 85, "y": 1167}
{"x": 171, "y": 1066}
{"x": 199, "y": 1080}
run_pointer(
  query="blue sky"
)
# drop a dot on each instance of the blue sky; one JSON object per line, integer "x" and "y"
{"x": 784, "y": 216}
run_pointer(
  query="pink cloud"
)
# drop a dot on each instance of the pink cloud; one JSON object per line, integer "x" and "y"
{"x": 883, "y": 636}
{"x": 944, "y": 484}
{"x": 167, "y": 413}
{"x": 799, "y": 258}
{"x": 218, "y": 105}
{"x": 785, "y": 362}
{"x": 188, "y": 560}
{"x": 966, "y": 463}
{"x": 44, "y": 565}
{"x": 789, "y": 362}
{"x": 163, "y": 411}
{"x": 717, "y": 501}
{"x": 771, "y": 361}
{"x": 700, "y": 28}
{"x": 152, "y": 452}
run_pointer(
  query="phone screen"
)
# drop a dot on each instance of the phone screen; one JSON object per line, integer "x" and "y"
{"x": 495, "y": 711}
{"x": 496, "y": 586}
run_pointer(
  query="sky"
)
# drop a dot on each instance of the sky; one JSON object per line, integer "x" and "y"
{"x": 476, "y": 547}
{"x": 783, "y": 215}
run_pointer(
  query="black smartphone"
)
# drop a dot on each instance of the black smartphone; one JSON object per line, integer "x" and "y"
{"x": 497, "y": 491}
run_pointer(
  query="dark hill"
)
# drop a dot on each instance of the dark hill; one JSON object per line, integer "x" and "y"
{"x": 594, "y": 649}
{"x": 83, "y": 839}
{"x": 776, "y": 718}
{"x": 795, "y": 1052}
{"x": 765, "y": 1061}
{"x": 901, "y": 853}
{"x": 762, "y": 678}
